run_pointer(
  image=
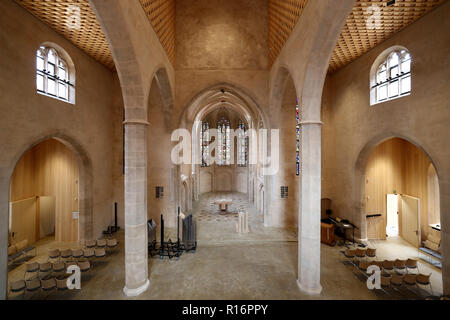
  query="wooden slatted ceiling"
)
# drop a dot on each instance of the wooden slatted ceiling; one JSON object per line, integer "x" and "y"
{"x": 161, "y": 14}
{"x": 356, "y": 38}
{"x": 283, "y": 15}
{"x": 88, "y": 36}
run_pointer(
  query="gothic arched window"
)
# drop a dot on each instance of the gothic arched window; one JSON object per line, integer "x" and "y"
{"x": 223, "y": 143}
{"x": 242, "y": 156}
{"x": 297, "y": 138}
{"x": 392, "y": 77}
{"x": 52, "y": 74}
{"x": 204, "y": 143}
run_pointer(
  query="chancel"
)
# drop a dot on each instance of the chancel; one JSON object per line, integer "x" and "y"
{"x": 225, "y": 150}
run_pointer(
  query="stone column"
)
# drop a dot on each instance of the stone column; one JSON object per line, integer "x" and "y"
{"x": 4, "y": 217}
{"x": 309, "y": 208}
{"x": 444, "y": 192}
{"x": 136, "y": 252}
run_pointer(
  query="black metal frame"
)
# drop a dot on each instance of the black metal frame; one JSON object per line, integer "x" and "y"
{"x": 169, "y": 248}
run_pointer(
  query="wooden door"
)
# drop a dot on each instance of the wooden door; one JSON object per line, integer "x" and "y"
{"x": 410, "y": 219}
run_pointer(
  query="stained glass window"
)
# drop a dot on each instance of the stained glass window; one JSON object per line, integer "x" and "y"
{"x": 242, "y": 144}
{"x": 297, "y": 139}
{"x": 223, "y": 156}
{"x": 52, "y": 74}
{"x": 204, "y": 143}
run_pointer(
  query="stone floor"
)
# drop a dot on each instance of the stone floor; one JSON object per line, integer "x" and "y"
{"x": 259, "y": 265}
{"x": 215, "y": 227}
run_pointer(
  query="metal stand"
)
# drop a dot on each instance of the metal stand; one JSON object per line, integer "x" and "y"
{"x": 112, "y": 229}
{"x": 168, "y": 248}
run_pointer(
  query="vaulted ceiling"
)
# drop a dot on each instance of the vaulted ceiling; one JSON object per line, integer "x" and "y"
{"x": 357, "y": 36}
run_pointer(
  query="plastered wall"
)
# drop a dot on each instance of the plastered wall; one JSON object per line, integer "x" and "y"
{"x": 27, "y": 117}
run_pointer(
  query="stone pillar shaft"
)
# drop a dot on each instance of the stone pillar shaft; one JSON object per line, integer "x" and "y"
{"x": 444, "y": 192}
{"x": 136, "y": 252}
{"x": 309, "y": 209}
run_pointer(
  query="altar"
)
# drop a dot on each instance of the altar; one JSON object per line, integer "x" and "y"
{"x": 223, "y": 204}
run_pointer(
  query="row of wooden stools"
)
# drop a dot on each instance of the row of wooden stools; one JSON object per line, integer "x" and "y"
{"x": 394, "y": 273}
{"x": 51, "y": 275}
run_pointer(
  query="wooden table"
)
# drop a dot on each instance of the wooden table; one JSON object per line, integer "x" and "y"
{"x": 223, "y": 204}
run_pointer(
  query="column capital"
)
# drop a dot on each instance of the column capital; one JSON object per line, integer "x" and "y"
{"x": 136, "y": 121}
{"x": 309, "y": 122}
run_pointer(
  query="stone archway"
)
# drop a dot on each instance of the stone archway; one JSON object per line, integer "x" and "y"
{"x": 359, "y": 202}
{"x": 360, "y": 175}
{"x": 230, "y": 95}
{"x": 85, "y": 194}
{"x": 139, "y": 58}
{"x": 306, "y": 56}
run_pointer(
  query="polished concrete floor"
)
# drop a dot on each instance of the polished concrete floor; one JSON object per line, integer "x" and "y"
{"x": 259, "y": 265}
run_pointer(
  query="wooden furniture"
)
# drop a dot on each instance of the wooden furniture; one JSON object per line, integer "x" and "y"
{"x": 223, "y": 204}
{"x": 430, "y": 251}
{"x": 327, "y": 234}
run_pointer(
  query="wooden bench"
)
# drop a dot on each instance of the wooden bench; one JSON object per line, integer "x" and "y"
{"x": 432, "y": 257}
{"x": 19, "y": 250}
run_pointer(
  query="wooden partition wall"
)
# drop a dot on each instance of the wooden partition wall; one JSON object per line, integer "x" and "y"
{"x": 397, "y": 166}
{"x": 50, "y": 169}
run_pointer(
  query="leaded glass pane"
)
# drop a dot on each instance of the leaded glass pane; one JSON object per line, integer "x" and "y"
{"x": 40, "y": 63}
{"x": 393, "y": 89}
{"x": 405, "y": 85}
{"x": 40, "y": 82}
{"x": 382, "y": 92}
{"x": 51, "y": 87}
{"x": 62, "y": 90}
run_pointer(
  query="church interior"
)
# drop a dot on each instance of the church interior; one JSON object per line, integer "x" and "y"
{"x": 225, "y": 149}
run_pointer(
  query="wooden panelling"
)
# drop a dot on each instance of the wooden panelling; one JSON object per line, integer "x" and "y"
{"x": 376, "y": 227}
{"x": 434, "y": 206}
{"x": 23, "y": 224}
{"x": 396, "y": 166}
{"x": 383, "y": 176}
{"x": 52, "y": 170}
{"x": 22, "y": 180}
{"x": 415, "y": 166}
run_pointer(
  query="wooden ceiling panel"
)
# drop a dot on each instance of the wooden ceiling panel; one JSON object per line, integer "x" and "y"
{"x": 161, "y": 14}
{"x": 358, "y": 36}
{"x": 283, "y": 15}
{"x": 85, "y": 32}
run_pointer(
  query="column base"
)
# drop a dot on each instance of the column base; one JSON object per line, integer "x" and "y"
{"x": 311, "y": 291}
{"x": 138, "y": 291}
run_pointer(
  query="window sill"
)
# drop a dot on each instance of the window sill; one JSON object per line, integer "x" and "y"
{"x": 54, "y": 97}
{"x": 390, "y": 99}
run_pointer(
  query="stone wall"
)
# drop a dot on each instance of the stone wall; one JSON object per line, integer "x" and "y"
{"x": 28, "y": 117}
{"x": 221, "y": 34}
{"x": 353, "y": 128}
